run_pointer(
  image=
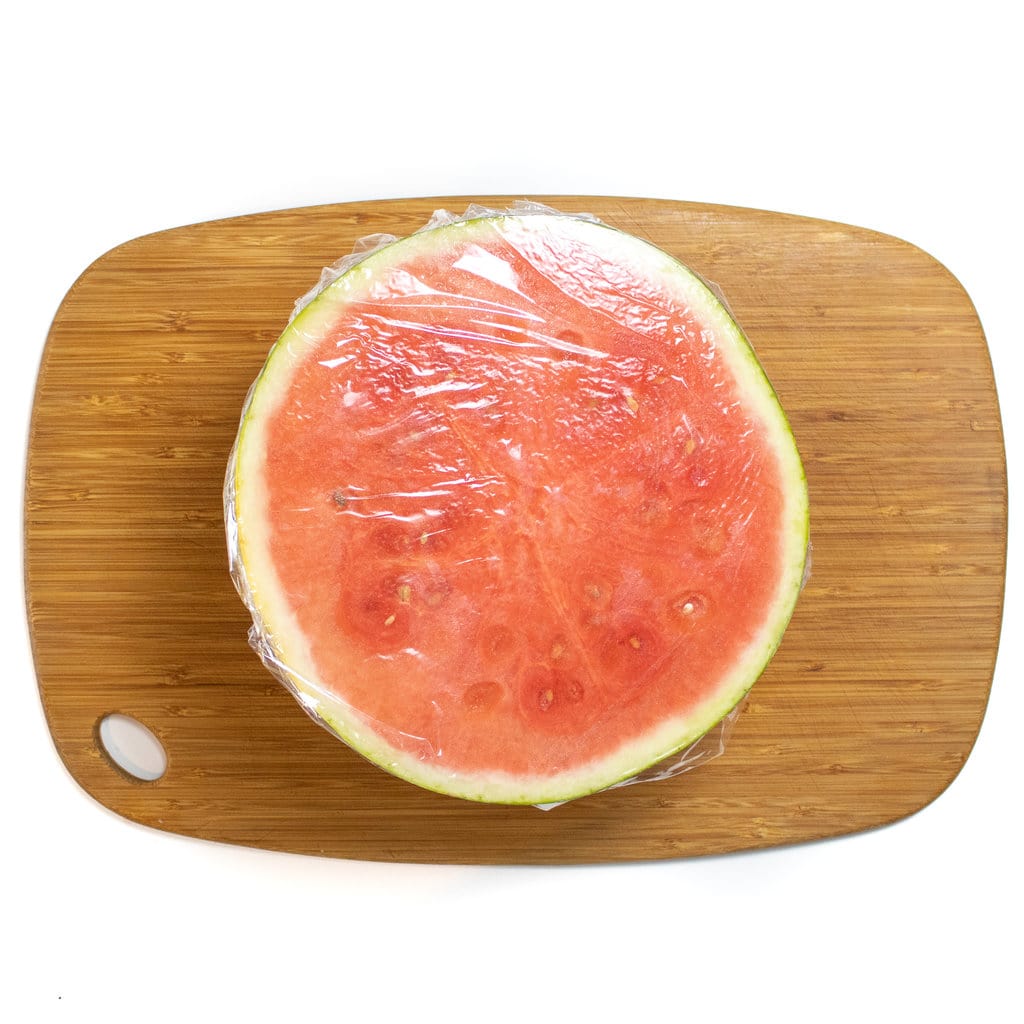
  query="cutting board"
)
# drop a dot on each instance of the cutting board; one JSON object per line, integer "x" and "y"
{"x": 867, "y": 713}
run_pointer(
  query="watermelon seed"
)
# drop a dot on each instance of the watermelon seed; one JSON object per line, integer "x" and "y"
{"x": 635, "y": 642}
{"x": 691, "y": 606}
{"x": 545, "y": 699}
{"x": 404, "y": 593}
{"x": 339, "y": 498}
{"x": 390, "y": 620}
{"x": 632, "y": 403}
{"x": 557, "y": 650}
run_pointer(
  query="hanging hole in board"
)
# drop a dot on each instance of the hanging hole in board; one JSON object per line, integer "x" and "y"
{"x": 132, "y": 747}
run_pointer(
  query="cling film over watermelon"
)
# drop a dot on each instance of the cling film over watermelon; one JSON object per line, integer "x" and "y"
{"x": 515, "y": 511}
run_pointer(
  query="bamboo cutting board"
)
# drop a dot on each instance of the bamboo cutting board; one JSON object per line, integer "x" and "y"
{"x": 866, "y": 714}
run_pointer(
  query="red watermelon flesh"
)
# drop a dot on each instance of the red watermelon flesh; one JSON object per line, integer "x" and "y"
{"x": 515, "y": 510}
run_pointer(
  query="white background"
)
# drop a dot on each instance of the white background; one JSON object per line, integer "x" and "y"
{"x": 121, "y": 119}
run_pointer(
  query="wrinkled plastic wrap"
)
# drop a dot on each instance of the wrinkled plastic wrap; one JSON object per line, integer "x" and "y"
{"x": 430, "y": 534}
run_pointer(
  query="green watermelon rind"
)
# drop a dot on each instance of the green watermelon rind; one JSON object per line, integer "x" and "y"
{"x": 277, "y": 637}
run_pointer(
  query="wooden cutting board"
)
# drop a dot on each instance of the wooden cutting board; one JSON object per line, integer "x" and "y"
{"x": 866, "y": 714}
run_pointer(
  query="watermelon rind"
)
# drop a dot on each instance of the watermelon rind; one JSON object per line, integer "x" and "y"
{"x": 276, "y": 634}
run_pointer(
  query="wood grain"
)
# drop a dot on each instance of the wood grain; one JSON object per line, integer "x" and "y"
{"x": 866, "y": 714}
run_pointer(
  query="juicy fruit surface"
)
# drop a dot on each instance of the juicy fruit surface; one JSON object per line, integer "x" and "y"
{"x": 513, "y": 498}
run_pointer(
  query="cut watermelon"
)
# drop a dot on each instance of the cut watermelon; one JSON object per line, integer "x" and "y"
{"x": 515, "y": 509}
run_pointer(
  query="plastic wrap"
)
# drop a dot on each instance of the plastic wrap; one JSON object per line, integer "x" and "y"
{"x": 515, "y": 512}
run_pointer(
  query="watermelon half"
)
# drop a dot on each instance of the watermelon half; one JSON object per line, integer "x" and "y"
{"x": 515, "y": 510}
